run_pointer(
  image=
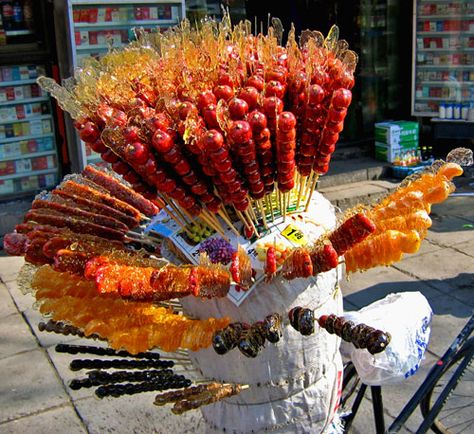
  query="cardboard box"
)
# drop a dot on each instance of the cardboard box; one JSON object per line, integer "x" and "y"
{"x": 394, "y": 133}
{"x": 384, "y": 152}
{"x": 6, "y": 186}
{"x": 24, "y": 165}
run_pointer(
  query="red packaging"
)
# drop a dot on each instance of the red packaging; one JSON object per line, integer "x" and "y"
{"x": 426, "y": 26}
{"x": 10, "y": 91}
{"x": 77, "y": 37}
{"x": 93, "y": 13}
{"x": 84, "y": 15}
{"x": 32, "y": 146}
{"x": 145, "y": 13}
{"x": 39, "y": 163}
{"x": 7, "y": 168}
{"x": 76, "y": 15}
{"x": 93, "y": 38}
{"x": 20, "y": 111}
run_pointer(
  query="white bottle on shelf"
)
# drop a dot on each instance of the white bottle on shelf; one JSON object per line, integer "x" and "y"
{"x": 449, "y": 111}
{"x": 442, "y": 110}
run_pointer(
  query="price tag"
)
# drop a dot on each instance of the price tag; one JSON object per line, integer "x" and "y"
{"x": 294, "y": 235}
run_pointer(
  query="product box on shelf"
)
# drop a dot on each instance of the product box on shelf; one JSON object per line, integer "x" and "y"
{"x": 7, "y": 168}
{"x": 7, "y": 186}
{"x": 396, "y": 132}
{"x": 392, "y": 153}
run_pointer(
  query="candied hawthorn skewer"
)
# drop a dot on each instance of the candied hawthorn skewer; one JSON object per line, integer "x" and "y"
{"x": 298, "y": 264}
{"x": 90, "y": 193}
{"x": 418, "y": 220}
{"x": 243, "y": 147}
{"x": 178, "y": 395}
{"x": 205, "y": 281}
{"x": 74, "y": 224}
{"x": 340, "y": 100}
{"x": 285, "y": 151}
{"x": 220, "y": 161}
{"x": 92, "y": 217}
{"x": 206, "y": 398}
{"x": 261, "y": 136}
{"x": 382, "y": 249}
{"x": 270, "y": 263}
{"x": 249, "y": 339}
{"x": 120, "y": 191}
{"x": 93, "y": 206}
{"x": 241, "y": 268}
{"x": 310, "y": 128}
{"x": 324, "y": 258}
{"x": 353, "y": 231}
{"x": 135, "y": 327}
{"x": 361, "y": 335}
{"x": 169, "y": 151}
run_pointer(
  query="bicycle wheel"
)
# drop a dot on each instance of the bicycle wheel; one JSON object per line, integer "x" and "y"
{"x": 456, "y": 416}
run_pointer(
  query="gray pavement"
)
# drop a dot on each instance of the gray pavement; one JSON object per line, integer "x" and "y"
{"x": 34, "y": 392}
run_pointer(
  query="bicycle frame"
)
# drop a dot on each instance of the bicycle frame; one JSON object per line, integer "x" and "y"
{"x": 431, "y": 379}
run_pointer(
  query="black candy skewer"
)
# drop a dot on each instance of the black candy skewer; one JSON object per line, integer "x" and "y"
{"x": 79, "y": 364}
{"x": 98, "y": 351}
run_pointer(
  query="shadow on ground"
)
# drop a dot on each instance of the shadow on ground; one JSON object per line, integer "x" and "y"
{"x": 442, "y": 302}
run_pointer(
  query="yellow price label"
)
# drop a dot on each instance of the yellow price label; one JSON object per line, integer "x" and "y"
{"x": 293, "y": 234}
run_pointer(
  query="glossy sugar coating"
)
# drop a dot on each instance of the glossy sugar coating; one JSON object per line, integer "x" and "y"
{"x": 382, "y": 249}
{"x": 135, "y": 327}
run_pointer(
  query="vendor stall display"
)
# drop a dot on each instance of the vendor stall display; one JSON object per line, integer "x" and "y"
{"x": 206, "y": 234}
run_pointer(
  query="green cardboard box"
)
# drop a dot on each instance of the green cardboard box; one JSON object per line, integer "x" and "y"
{"x": 390, "y": 153}
{"x": 394, "y": 133}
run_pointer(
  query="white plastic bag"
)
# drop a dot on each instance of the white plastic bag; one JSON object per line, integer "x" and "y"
{"x": 407, "y": 317}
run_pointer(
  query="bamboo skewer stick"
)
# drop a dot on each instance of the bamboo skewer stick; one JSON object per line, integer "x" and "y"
{"x": 242, "y": 218}
{"x": 270, "y": 200}
{"x": 212, "y": 225}
{"x": 301, "y": 187}
{"x": 262, "y": 212}
{"x": 214, "y": 219}
{"x": 246, "y": 212}
{"x": 280, "y": 206}
{"x": 308, "y": 186}
{"x": 313, "y": 187}
{"x": 229, "y": 223}
{"x": 252, "y": 212}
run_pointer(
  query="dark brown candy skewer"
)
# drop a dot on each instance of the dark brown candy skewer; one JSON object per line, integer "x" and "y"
{"x": 361, "y": 335}
{"x": 178, "y": 395}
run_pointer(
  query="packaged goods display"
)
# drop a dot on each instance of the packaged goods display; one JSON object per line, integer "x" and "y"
{"x": 28, "y": 156}
{"x": 206, "y": 234}
{"x": 442, "y": 59}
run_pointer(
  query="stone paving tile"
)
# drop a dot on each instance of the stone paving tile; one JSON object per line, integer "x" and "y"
{"x": 362, "y": 288}
{"x": 456, "y": 206}
{"x": 466, "y": 247}
{"x": 425, "y": 247}
{"x": 447, "y": 231}
{"x": 10, "y": 267}
{"x": 450, "y": 316}
{"x": 58, "y": 420}
{"x": 138, "y": 414}
{"x": 442, "y": 269}
{"x": 16, "y": 336}
{"x": 29, "y": 385}
{"x": 22, "y": 301}
{"x": 7, "y": 307}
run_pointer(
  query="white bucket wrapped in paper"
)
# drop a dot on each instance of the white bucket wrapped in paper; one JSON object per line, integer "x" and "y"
{"x": 295, "y": 384}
